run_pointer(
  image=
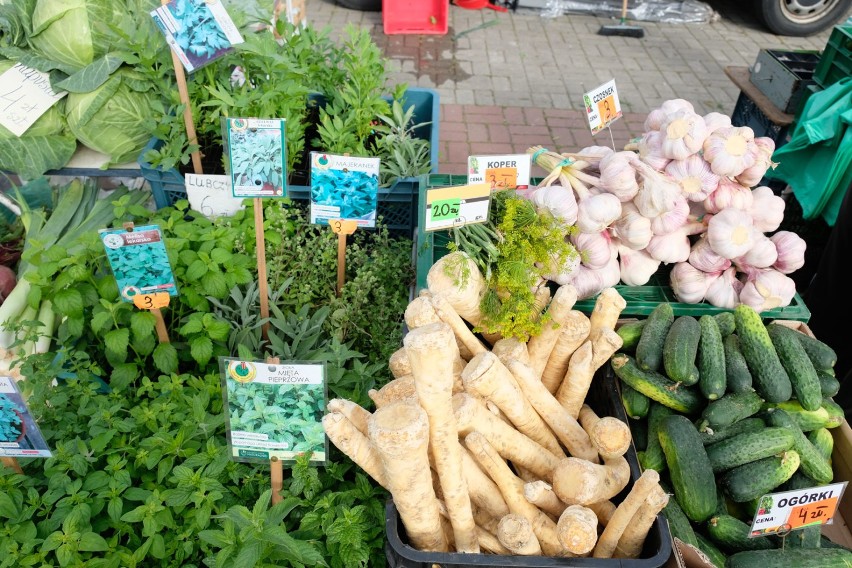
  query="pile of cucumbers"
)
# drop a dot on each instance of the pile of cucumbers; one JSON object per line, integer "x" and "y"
{"x": 728, "y": 409}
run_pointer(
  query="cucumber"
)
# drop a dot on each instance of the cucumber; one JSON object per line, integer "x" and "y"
{"x": 800, "y": 481}
{"x": 630, "y": 334}
{"x": 639, "y": 432}
{"x": 689, "y": 467}
{"x": 655, "y": 386}
{"x": 731, "y": 408}
{"x": 770, "y": 378}
{"x": 799, "y": 368}
{"x": 813, "y": 463}
{"x": 727, "y": 324}
{"x": 808, "y": 537}
{"x": 717, "y": 557}
{"x": 679, "y": 525}
{"x": 736, "y": 371}
{"x": 791, "y": 558}
{"x": 760, "y": 477}
{"x": 732, "y": 535}
{"x": 821, "y": 355}
{"x": 711, "y": 435}
{"x": 635, "y": 403}
{"x": 831, "y": 373}
{"x": 749, "y": 447}
{"x": 711, "y": 359}
{"x": 828, "y": 385}
{"x": 680, "y": 349}
{"x": 649, "y": 350}
{"x": 653, "y": 458}
{"x": 829, "y": 416}
{"x": 823, "y": 441}
{"x": 721, "y": 502}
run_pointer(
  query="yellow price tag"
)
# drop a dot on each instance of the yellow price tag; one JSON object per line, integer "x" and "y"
{"x": 502, "y": 177}
{"x": 151, "y": 301}
{"x": 342, "y": 227}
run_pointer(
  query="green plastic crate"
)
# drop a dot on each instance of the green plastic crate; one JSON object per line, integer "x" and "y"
{"x": 641, "y": 300}
{"x": 836, "y": 60}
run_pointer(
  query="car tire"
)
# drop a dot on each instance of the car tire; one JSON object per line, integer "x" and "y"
{"x": 801, "y": 17}
{"x": 363, "y": 5}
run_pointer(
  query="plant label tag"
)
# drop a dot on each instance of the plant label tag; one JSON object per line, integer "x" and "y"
{"x": 344, "y": 187}
{"x": 502, "y": 172}
{"x": 198, "y": 31}
{"x": 602, "y": 106}
{"x": 449, "y": 207}
{"x": 20, "y": 436}
{"x": 780, "y": 513}
{"x": 212, "y": 195}
{"x": 151, "y": 301}
{"x": 343, "y": 227}
{"x": 25, "y": 95}
{"x": 257, "y": 156}
{"x": 274, "y": 409}
{"x": 139, "y": 261}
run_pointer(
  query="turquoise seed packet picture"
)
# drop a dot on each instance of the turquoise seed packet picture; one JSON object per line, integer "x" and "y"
{"x": 256, "y": 154}
{"x": 20, "y": 436}
{"x": 344, "y": 187}
{"x": 139, "y": 261}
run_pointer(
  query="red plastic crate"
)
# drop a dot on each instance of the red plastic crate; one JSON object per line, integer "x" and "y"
{"x": 415, "y": 16}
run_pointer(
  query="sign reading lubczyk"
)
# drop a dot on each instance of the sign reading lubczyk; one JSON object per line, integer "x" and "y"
{"x": 779, "y": 513}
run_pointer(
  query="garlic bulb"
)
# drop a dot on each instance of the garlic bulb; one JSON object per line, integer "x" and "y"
{"x": 716, "y": 120}
{"x": 751, "y": 176}
{"x": 768, "y": 289}
{"x": 723, "y": 292}
{"x": 651, "y": 150}
{"x": 730, "y": 233}
{"x": 588, "y": 282}
{"x": 767, "y": 209}
{"x": 558, "y": 201}
{"x": 704, "y": 259}
{"x": 684, "y": 132}
{"x": 611, "y": 273}
{"x": 657, "y": 195}
{"x": 565, "y": 273}
{"x": 670, "y": 248}
{"x": 596, "y": 212}
{"x": 636, "y": 266}
{"x": 594, "y": 154}
{"x": 696, "y": 179}
{"x": 657, "y": 116}
{"x": 631, "y": 228}
{"x": 791, "y": 251}
{"x": 594, "y": 248}
{"x": 688, "y": 283}
{"x": 762, "y": 254}
{"x": 671, "y": 220}
{"x": 730, "y": 150}
{"x": 618, "y": 176}
{"x": 729, "y": 194}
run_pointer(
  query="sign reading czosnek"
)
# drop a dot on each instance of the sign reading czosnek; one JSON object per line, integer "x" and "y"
{"x": 602, "y": 106}
{"x": 779, "y": 513}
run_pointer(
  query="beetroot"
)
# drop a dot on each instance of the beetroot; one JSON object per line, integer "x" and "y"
{"x": 7, "y": 281}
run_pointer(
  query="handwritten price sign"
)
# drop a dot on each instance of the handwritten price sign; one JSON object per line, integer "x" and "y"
{"x": 501, "y": 177}
{"x": 779, "y": 513}
{"x": 25, "y": 95}
{"x": 151, "y": 301}
{"x": 449, "y": 207}
{"x": 343, "y": 226}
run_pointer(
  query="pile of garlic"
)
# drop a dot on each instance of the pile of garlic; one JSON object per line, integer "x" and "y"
{"x": 680, "y": 195}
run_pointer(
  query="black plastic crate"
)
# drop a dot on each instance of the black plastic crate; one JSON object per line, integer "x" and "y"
{"x": 605, "y": 400}
{"x": 783, "y": 76}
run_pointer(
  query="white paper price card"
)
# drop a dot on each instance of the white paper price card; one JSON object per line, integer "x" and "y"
{"x": 19, "y": 433}
{"x": 449, "y": 207}
{"x": 780, "y": 513}
{"x": 274, "y": 409}
{"x": 212, "y": 195}
{"x": 501, "y": 172}
{"x": 25, "y": 95}
{"x": 602, "y": 106}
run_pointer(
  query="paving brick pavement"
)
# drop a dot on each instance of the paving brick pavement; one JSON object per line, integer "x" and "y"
{"x": 508, "y": 81}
